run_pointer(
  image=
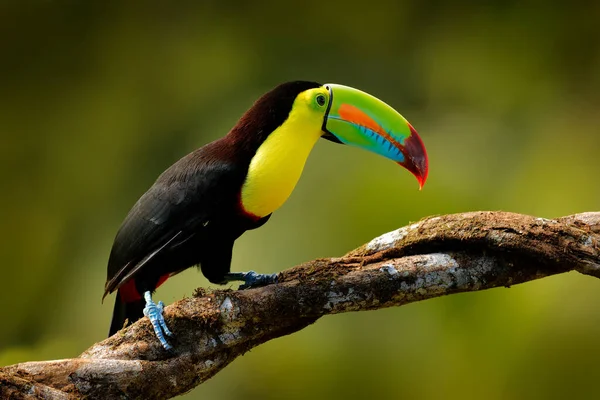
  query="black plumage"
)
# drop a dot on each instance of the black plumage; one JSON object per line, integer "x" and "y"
{"x": 192, "y": 215}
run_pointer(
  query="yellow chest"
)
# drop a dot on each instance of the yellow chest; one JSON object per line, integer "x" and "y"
{"x": 278, "y": 164}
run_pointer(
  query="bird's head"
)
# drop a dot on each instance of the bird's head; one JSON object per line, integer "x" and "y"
{"x": 345, "y": 115}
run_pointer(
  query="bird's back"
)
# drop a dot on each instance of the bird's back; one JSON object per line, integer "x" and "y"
{"x": 192, "y": 199}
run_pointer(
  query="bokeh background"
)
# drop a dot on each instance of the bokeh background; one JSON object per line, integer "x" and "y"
{"x": 97, "y": 98}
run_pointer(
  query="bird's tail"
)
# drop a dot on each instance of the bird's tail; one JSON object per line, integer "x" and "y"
{"x": 131, "y": 311}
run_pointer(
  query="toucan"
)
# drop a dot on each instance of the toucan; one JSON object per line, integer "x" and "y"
{"x": 198, "y": 207}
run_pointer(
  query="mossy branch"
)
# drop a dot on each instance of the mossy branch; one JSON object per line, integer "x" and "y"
{"x": 433, "y": 257}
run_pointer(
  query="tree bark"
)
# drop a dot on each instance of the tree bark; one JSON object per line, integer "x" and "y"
{"x": 434, "y": 257}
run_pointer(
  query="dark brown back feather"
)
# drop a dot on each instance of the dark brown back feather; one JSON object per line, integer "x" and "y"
{"x": 202, "y": 186}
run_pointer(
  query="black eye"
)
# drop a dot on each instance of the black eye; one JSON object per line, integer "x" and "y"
{"x": 320, "y": 100}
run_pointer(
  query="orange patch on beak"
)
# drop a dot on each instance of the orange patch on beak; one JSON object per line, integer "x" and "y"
{"x": 356, "y": 116}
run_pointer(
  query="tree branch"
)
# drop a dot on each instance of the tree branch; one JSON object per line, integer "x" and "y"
{"x": 434, "y": 257}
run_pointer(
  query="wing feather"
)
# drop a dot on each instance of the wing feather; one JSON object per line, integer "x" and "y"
{"x": 192, "y": 191}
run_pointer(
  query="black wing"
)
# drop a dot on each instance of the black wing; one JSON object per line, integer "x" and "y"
{"x": 187, "y": 195}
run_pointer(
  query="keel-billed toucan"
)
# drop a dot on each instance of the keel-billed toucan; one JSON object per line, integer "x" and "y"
{"x": 199, "y": 206}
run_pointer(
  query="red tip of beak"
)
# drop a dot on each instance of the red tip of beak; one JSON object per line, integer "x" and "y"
{"x": 421, "y": 182}
{"x": 416, "y": 157}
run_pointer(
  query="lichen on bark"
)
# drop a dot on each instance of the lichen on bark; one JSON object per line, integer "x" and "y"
{"x": 436, "y": 256}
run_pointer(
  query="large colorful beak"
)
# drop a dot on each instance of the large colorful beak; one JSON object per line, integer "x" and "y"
{"x": 358, "y": 119}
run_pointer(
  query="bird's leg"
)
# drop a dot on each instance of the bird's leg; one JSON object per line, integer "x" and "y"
{"x": 251, "y": 279}
{"x": 154, "y": 312}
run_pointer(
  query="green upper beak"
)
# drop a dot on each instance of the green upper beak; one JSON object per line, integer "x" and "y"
{"x": 356, "y": 118}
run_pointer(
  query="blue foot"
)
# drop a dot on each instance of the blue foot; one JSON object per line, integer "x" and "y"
{"x": 154, "y": 312}
{"x": 251, "y": 279}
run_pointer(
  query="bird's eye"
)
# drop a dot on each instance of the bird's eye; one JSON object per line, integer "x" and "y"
{"x": 320, "y": 100}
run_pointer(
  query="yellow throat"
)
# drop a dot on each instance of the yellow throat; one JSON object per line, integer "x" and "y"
{"x": 277, "y": 165}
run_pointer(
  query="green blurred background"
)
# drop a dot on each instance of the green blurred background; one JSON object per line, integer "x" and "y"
{"x": 98, "y": 98}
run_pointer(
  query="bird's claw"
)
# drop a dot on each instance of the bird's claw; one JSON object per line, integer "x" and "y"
{"x": 154, "y": 312}
{"x": 252, "y": 279}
